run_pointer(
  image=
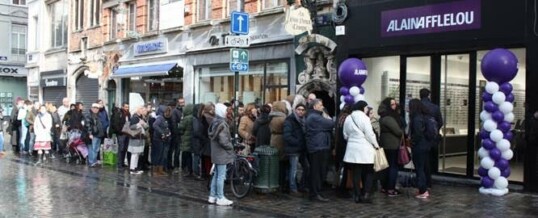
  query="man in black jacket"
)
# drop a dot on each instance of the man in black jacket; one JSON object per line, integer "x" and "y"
{"x": 295, "y": 146}
{"x": 119, "y": 117}
{"x": 435, "y": 112}
{"x": 96, "y": 132}
{"x": 174, "y": 152}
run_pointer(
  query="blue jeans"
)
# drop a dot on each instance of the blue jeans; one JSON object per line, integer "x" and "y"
{"x": 1, "y": 141}
{"x": 196, "y": 164}
{"x": 420, "y": 158}
{"x": 93, "y": 150}
{"x": 123, "y": 142}
{"x": 217, "y": 182}
{"x": 392, "y": 171}
{"x": 22, "y": 143}
{"x": 294, "y": 160}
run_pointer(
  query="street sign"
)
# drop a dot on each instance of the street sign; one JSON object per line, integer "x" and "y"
{"x": 237, "y": 41}
{"x": 238, "y": 59}
{"x": 239, "y": 23}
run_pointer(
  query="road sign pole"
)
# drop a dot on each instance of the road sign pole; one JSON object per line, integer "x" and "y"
{"x": 240, "y": 4}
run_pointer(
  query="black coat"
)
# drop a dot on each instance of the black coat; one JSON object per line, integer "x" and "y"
{"x": 94, "y": 126}
{"x": 318, "y": 131}
{"x": 261, "y": 130}
{"x": 200, "y": 138}
{"x": 294, "y": 136}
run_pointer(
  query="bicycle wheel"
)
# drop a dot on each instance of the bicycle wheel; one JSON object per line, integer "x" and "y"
{"x": 241, "y": 179}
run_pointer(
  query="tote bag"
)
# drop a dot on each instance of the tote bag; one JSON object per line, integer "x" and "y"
{"x": 403, "y": 153}
{"x": 380, "y": 160}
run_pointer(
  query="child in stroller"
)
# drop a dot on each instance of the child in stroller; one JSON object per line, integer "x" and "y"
{"x": 76, "y": 148}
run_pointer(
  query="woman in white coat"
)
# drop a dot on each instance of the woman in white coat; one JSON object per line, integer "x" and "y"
{"x": 360, "y": 151}
{"x": 43, "y": 135}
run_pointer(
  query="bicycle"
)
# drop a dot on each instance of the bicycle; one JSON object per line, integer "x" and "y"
{"x": 240, "y": 173}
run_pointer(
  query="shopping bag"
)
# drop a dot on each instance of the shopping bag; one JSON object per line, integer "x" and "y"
{"x": 380, "y": 160}
{"x": 403, "y": 153}
{"x": 109, "y": 158}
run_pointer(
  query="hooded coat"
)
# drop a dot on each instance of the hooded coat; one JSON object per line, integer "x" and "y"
{"x": 161, "y": 127}
{"x": 391, "y": 131}
{"x": 185, "y": 128}
{"x": 278, "y": 116}
{"x": 221, "y": 141}
{"x": 200, "y": 140}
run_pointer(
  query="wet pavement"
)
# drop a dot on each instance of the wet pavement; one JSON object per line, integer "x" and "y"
{"x": 59, "y": 189}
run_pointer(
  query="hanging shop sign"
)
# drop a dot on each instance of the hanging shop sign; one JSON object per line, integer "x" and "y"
{"x": 445, "y": 17}
{"x": 297, "y": 21}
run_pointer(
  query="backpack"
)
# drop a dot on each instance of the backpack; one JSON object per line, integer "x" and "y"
{"x": 115, "y": 120}
{"x": 431, "y": 130}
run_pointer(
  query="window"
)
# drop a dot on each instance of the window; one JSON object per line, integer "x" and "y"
{"x": 113, "y": 24}
{"x": 204, "y": 10}
{"x": 84, "y": 45}
{"x": 95, "y": 12}
{"x": 271, "y": 3}
{"x": 153, "y": 12}
{"x": 79, "y": 14}
{"x": 36, "y": 31}
{"x": 58, "y": 22}
{"x": 18, "y": 42}
{"x": 232, "y": 6}
{"x": 19, "y": 2}
{"x": 131, "y": 23}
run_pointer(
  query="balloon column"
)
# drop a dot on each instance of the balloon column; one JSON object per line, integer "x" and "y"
{"x": 352, "y": 73}
{"x": 499, "y": 67}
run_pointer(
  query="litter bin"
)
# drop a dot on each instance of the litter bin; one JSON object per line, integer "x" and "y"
{"x": 268, "y": 170}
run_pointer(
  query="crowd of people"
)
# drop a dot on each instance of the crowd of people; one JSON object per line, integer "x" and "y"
{"x": 191, "y": 138}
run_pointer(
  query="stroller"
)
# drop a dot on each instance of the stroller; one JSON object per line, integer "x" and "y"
{"x": 76, "y": 148}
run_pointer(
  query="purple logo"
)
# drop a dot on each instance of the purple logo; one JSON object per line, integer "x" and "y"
{"x": 445, "y": 17}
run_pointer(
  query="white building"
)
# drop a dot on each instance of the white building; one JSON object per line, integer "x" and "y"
{"x": 13, "y": 25}
{"x": 47, "y": 50}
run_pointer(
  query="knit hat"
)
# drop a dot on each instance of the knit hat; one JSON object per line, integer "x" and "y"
{"x": 220, "y": 110}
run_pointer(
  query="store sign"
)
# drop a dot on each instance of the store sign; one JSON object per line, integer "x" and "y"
{"x": 53, "y": 82}
{"x": 151, "y": 47}
{"x": 13, "y": 71}
{"x": 298, "y": 21}
{"x": 445, "y": 17}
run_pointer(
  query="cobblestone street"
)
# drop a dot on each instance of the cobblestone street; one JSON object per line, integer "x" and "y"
{"x": 58, "y": 189}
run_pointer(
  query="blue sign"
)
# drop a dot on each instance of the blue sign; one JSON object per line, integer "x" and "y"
{"x": 238, "y": 59}
{"x": 3, "y": 58}
{"x": 239, "y": 23}
{"x": 151, "y": 47}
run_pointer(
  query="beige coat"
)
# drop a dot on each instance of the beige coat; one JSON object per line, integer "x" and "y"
{"x": 245, "y": 130}
{"x": 278, "y": 116}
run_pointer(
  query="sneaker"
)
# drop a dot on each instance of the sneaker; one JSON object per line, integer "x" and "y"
{"x": 224, "y": 202}
{"x": 136, "y": 172}
{"x": 393, "y": 193}
{"x": 423, "y": 195}
{"x": 211, "y": 200}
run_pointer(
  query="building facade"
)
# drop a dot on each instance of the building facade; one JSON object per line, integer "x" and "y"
{"x": 47, "y": 50}
{"x": 13, "y": 32}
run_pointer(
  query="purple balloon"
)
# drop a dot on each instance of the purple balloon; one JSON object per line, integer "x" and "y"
{"x": 486, "y": 182}
{"x": 504, "y": 126}
{"x": 352, "y": 72}
{"x": 484, "y": 134}
{"x": 361, "y": 90}
{"x": 498, "y": 116}
{"x": 349, "y": 99}
{"x": 490, "y": 107}
{"x": 482, "y": 172}
{"x": 486, "y": 96}
{"x": 502, "y": 164}
{"x": 499, "y": 65}
{"x": 488, "y": 144}
{"x": 510, "y": 98}
{"x": 344, "y": 91}
{"x": 508, "y": 136}
{"x": 506, "y": 88}
{"x": 506, "y": 172}
{"x": 495, "y": 154}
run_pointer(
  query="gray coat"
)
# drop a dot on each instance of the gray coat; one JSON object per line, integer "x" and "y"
{"x": 391, "y": 133}
{"x": 222, "y": 151}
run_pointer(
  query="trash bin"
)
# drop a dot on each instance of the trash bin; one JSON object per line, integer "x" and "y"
{"x": 268, "y": 170}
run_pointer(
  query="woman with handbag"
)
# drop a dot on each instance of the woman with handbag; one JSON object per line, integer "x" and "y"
{"x": 138, "y": 139}
{"x": 391, "y": 135}
{"x": 420, "y": 145}
{"x": 360, "y": 151}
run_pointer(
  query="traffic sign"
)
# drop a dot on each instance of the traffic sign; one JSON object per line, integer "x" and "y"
{"x": 238, "y": 59}
{"x": 237, "y": 41}
{"x": 239, "y": 23}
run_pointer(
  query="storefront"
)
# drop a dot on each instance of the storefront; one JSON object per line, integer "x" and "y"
{"x": 53, "y": 84}
{"x": 409, "y": 45}
{"x": 13, "y": 83}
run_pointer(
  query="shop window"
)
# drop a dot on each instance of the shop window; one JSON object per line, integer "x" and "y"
{"x": 58, "y": 22}
{"x": 383, "y": 80}
{"x": 18, "y": 42}
{"x": 264, "y": 82}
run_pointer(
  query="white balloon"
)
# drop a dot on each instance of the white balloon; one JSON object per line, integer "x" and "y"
{"x": 487, "y": 163}
{"x": 496, "y": 135}
{"x": 503, "y": 145}
{"x": 494, "y": 173}
{"x": 500, "y": 182}
{"x": 506, "y": 107}
{"x": 354, "y": 91}
{"x": 359, "y": 97}
{"x": 507, "y": 155}
{"x": 490, "y": 125}
{"x": 482, "y": 152}
{"x": 484, "y": 115}
{"x": 342, "y": 105}
{"x": 509, "y": 117}
{"x": 492, "y": 87}
{"x": 498, "y": 98}
{"x": 342, "y": 98}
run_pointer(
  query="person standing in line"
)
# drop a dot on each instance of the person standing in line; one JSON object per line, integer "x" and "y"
{"x": 222, "y": 153}
{"x": 198, "y": 140}
{"x": 261, "y": 130}
{"x": 43, "y": 138}
{"x": 246, "y": 124}
{"x": 360, "y": 151}
{"x": 434, "y": 111}
{"x": 56, "y": 128}
{"x": 391, "y": 135}
{"x": 174, "y": 152}
{"x": 137, "y": 141}
{"x": 64, "y": 108}
{"x": 96, "y": 132}
{"x": 421, "y": 147}
{"x": 340, "y": 151}
{"x": 295, "y": 145}
{"x": 318, "y": 142}
{"x": 207, "y": 119}
{"x": 278, "y": 116}
{"x": 160, "y": 140}
{"x": 15, "y": 126}
{"x": 2, "y": 152}
{"x": 30, "y": 117}
{"x": 119, "y": 117}
{"x": 21, "y": 116}
{"x": 185, "y": 128}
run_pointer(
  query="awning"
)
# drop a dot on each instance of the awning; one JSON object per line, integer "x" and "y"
{"x": 143, "y": 70}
